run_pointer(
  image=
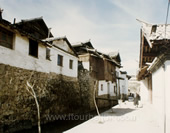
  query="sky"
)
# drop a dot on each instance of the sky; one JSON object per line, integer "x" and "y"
{"x": 110, "y": 25}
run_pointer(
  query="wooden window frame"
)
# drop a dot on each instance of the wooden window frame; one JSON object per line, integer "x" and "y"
{"x": 71, "y": 64}
{"x": 6, "y": 38}
{"x": 33, "y": 48}
{"x": 101, "y": 88}
{"x": 60, "y": 60}
{"x": 48, "y": 54}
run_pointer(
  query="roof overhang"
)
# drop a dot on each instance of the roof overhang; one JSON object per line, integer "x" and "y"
{"x": 142, "y": 73}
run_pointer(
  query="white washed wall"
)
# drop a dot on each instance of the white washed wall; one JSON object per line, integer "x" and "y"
{"x": 167, "y": 92}
{"x": 117, "y": 80}
{"x": 112, "y": 85}
{"x": 105, "y": 88}
{"x": 160, "y": 94}
{"x": 126, "y": 85}
{"x": 65, "y": 70}
{"x": 144, "y": 92}
{"x": 19, "y": 57}
{"x": 61, "y": 44}
{"x": 123, "y": 84}
{"x": 158, "y": 83}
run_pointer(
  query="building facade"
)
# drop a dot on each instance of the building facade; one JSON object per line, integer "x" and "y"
{"x": 124, "y": 78}
{"x": 50, "y": 66}
{"x": 64, "y": 59}
{"x": 102, "y": 70}
{"x": 154, "y": 70}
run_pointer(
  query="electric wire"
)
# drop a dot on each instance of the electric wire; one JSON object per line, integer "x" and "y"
{"x": 167, "y": 17}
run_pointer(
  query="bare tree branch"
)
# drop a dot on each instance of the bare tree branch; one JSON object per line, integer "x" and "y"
{"x": 32, "y": 92}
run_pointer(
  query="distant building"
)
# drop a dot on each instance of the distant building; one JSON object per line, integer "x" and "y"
{"x": 102, "y": 68}
{"x": 134, "y": 85}
{"x": 124, "y": 84}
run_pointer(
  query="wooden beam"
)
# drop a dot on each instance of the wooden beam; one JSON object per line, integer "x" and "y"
{"x": 141, "y": 49}
{"x": 150, "y": 54}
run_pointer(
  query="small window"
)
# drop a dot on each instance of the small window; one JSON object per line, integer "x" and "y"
{"x": 6, "y": 38}
{"x": 101, "y": 87}
{"x": 71, "y": 64}
{"x": 48, "y": 54}
{"x": 60, "y": 60}
{"x": 33, "y": 48}
{"x": 154, "y": 27}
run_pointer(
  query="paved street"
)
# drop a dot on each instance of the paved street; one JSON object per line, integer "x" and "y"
{"x": 123, "y": 118}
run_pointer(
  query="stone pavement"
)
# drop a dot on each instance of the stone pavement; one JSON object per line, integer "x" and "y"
{"x": 123, "y": 118}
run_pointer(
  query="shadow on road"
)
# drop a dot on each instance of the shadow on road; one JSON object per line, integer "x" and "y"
{"x": 119, "y": 111}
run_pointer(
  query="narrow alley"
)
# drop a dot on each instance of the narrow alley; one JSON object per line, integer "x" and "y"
{"x": 120, "y": 119}
{"x": 81, "y": 67}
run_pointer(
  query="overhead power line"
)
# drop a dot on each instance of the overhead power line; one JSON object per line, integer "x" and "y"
{"x": 167, "y": 17}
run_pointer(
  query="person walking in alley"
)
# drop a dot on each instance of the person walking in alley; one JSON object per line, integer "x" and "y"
{"x": 136, "y": 100}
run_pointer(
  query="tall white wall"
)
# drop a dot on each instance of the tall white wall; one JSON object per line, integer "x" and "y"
{"x": 158, "y": 82}
{"x": 144, "y": 92}
{"x": 65, "y": 70}
{"x": 167, "y": 95}
{"x": 19, "y": 57}
{"x": 160, "y": 94}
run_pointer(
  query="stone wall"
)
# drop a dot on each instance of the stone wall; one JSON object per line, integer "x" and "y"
{"x": 104, "y": 102}
{"x": 56, "y": 94}
{"x": 87, "y": 86}
{"x": 86, "y": 83}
